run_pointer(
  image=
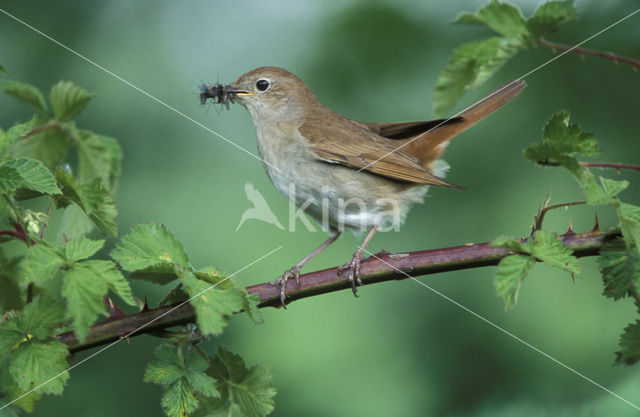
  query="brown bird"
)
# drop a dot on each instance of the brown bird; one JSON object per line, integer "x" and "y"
{"x": 345, "y": 174}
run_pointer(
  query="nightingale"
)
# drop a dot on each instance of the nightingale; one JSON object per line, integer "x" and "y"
{"x": 348, "y": 175}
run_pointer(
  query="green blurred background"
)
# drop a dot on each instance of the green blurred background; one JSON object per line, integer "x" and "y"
{"x": 398, "y": 349}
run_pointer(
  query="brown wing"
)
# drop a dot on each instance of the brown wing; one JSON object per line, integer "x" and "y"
{"x": 425, "y": 141}
{"x": 339, "y": 140}
{"x": 406, "y": 130}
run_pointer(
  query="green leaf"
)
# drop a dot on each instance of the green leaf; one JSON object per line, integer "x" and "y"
{"x": 114, "y": 279}
{"x": 67, "y": 100}
{"x": 511, "y": 272}
{"x": 12, "y": 392}
{"x": 83, "y": 289}
{"x": 81, "y": 248}
{"x": 503, "y": 18}
{"x": 50, "y": 146}
{"x": 42, "y": 262}
{"x": 17, "y": 131}
{"x": 245, "y": 392}
{"x": 561, "y": 142}
{"x": 620, "y": 268}
{"x": 11, "y": 333}
{"x": 550, "y": 250}
{"x": 36, "y": 363}
{"x": 603, "y": 193}
{"x": 182, "y": 373}
{"x": 629, "y": 216}
{"x": 213, "y": 306}
{"x": 471, "y": 65}
{"x": 41, "y": 317}
{"x": 3, "y": 70}
{"x": 250, "y": 302}
{"x": 509, "y": 243}
{"x": 99, "y": 157}
{"x": 149, "y": 245}
{"x": 26, "y": 93}
{"x": 10, "y": 179}
{"x": 31, "y": 174}
{"x": 92, "y": 198}
{"x": 550, "y": 16}
{"x": 74, "y": 223}
{"x": 629, "y": 352}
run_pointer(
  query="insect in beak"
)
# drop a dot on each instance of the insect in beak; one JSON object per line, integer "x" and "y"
{"x": 220, "y": 94}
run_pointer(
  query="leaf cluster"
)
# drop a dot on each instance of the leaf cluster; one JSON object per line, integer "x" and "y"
{"x": 62, "y": 282}
{"x": 474, "y": 62}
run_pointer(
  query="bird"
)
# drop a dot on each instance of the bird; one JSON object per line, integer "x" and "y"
{"x": 260, "y": 209}
{"x": 347, "y": 174}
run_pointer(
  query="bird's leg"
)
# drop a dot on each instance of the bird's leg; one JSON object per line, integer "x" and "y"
{"x": 353, "y": 266}
{"x": 294, "y": 271}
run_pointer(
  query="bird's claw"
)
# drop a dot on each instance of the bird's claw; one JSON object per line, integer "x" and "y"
{"x": 281, "y": 281}
{"x": 353, "y": 266}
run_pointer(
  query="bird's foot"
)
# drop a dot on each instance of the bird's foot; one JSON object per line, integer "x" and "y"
{"x": 353, "y": 267}
{"x": 281, "y": 281}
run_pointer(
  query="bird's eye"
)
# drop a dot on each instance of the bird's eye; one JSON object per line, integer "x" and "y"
{"x": 262, "y": 85}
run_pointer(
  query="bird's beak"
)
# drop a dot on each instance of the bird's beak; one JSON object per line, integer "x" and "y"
{"x": 236, "y": 92}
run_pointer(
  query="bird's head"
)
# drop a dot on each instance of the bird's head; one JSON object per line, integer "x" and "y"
{"x": 272, "y": 94}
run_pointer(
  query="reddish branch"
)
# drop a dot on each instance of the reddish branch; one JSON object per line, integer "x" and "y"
{"x": 606, "y": 55}
{"x": 617, "y": 167}
{"x": 381, "y": 267}
{"x": 614, "y": 165}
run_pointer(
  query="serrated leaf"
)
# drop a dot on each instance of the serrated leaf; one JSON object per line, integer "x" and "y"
{"x": 50, "y": 146}
{"x": 245, "y": 392}
{"x": 99, "y": 157}
{"x": 67, "y": 100}
{"x": 81, "y": 248}
{"x": 92, "y": 198}
{"x": 42, "y": 262}
{"x": 32, "y": 174}
{"x": 620, "y": 268}
{"x": 503, "y": 18}
{"x": 182, "y": 372}
{"x": 629, "y": 216}
{"x": 179, "y": 400}
{"x": 597, "y": 194}
{"x": 13, "y": 393}
{"x": 250, "y": 301}
{"x": 11, "y": 333}
{"x": 10, "y": 179}
{"x": 83, "y": 289}
{"x": 509, "y": 243}
{"x": 550, "y": 250}
{"x": 213, "y": 306}
{"x": 550, "y": 16}
{"x": 149, "y": 245}
{"x": 36, "y": 363}
{"x": 17, "y": 131}
{"x": 109, "y": 273}
{"x": 511, "y": 272}
{"x": 26, "y": 93}
{"x": 41, "y": 317}
{"x": 471, "y": 65}
{"x": 561, "y": 142}
{"x": 629, "y": 345}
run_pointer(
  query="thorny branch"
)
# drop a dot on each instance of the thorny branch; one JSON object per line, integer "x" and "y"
{"x": 582, "y": 51}
{"x": 329, "y": 280}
